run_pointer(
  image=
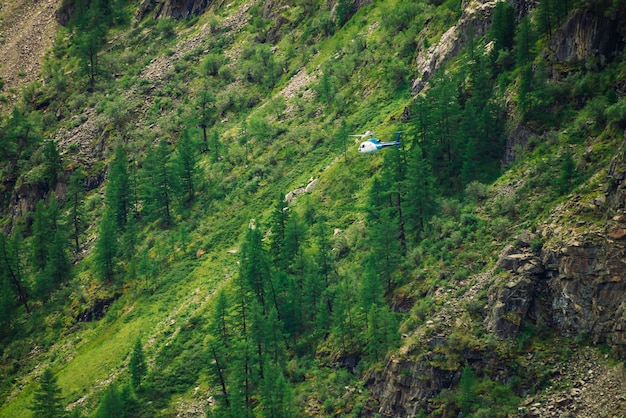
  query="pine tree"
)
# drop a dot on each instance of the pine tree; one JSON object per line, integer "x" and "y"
{"x": 254, "y": 266}
{"x": 205, "y": 114}
{"x": 545, "y": 16}
{"x": 137, "y": 365}
{"x": 118, "y": 195}
{"x": 278, "y": 221}
{"x": 443, "y": 145}
{"x": 11, "y": 271}
{"x": 157, "y": 185}
{"x": 75, "y": 200}
{"x": 106, "y": 247}
{"x": 421, "y": 193}
{"x": 467, "y": 386}
{"x": 503, "y": 26}
{"x": 524, "y": 40}
{"x": 49, "y": 248}
{"x": 47, "y": 398}
{"x": 276, "y": 396}
{"x": 89, "y": 26}
{"x": 111, "y": 405}
{"x": 185, "y": 165}
{"x": 52, "y": 164}
{"x": 40, "y": 233}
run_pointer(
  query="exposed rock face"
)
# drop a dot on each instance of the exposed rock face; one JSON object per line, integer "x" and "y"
{"x": 586, "y": 34}
{"x": 476, "y": 18}
{"x": 578, "y": 285}
{"x": 176, "y": 9}
{"x": 410, "y": 394}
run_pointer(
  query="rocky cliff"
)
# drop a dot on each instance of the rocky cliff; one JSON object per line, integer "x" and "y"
{"x": 567, "y": 276}
{"x": 176, "y": 9}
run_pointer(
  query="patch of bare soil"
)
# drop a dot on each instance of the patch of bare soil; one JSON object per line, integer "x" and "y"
{"x": 27, "y": 29}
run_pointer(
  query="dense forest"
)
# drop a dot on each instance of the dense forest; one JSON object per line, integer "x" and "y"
{"x": 188, "y": 230}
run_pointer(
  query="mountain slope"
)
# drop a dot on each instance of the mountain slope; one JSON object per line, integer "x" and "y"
{"x": 346, "y": 299}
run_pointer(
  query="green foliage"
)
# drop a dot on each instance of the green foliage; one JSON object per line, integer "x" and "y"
{"x": 157, "y": 184}
{"x": 137, "y": 365}
{"x": 47, "y": 398}
{"x": 106, "y": 249}
{"x": 306, "y": 314}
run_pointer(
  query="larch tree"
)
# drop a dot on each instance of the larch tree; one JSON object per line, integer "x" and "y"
{"x": 137, "y": 365}
{"x": 157, "y": 186}
{"x": 75, "y": 199}
{"x": 47, "y": 398}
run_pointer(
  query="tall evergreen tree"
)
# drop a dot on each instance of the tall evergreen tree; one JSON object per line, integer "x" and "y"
{"x": 106, "y": 247}
{"x": 47, "y": 398}
{"x": 40, "y": 232}
{"x": 502, "y": 29}
{"x": 137, "y": 365}
{"x": 75, "y": 200}
{"x": 185, "y": 166}
{"x": 205, "y": 114}
{"x": 118, "y": 193}
{"x": 276, "y": 396}
{"x": 49, "y": 248}
{"x": 112, "y": 405}
{"x": 422, "y": 192}
{"x": 8, "y": 305}
{"x": 255, "y": 268}
{"x": 52, "y": 164}
{"x": 11, "y": 270}
{"x": 524, "y": 41}
{"x": 88, "y": 31}
{"x": 157, "y": 185}
{"x": 443, "y": 145}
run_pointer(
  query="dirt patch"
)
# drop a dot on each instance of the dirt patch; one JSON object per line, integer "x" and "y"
{"x": 27, "y": 30}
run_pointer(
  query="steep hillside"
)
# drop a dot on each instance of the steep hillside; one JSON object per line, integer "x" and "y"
{"x": 27, "y": 31}
{"x": 189, "y": 230}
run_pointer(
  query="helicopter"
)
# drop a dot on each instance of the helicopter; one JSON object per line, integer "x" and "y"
{"x": 373, "y": 144}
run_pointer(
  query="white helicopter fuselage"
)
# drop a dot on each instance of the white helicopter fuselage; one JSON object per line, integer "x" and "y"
{"x": 373, "y": 145}
{"x": 368, "y": 147}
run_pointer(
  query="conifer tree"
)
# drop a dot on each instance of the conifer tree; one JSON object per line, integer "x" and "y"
{"x": 111, "y": 405}
{"x": 278, "y": 221}
{"x": 205, "y": 114}
{"x": 40, "y": 232}
{"x": 185, "y": 165}
{"x": 89, "y": 25}
{"x": 218, "y": 355}
{"x": 421, "y": 192}
{"x": 503, "y": 26}
{"x": 8, "y": 305}
{"x": 52, "y": 164}
{"x": 381, "y": 332}
{"x": 254, "y": 266}
{"x": 106, "y": 247}
{"x": 524, "y": 41}
{"x": 118, "y": 193}
{"x": 47, "y": 398}
{"x": 11, "y": 270}
{"x": 276, "y": 396}
{"x": 137, "y": 365}
{"x": 157, "y": 185}
{"x": 443, "y": 145}
{"x": 545, "y": 16}
{"x": 75, "y": 200}
{"x": 50, "y": 244}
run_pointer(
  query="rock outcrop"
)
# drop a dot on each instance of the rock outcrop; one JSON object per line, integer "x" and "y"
{"x": 587, "y": 34}
{"x": 176, "y": 9}
{"x": 577, "y": 284}
{"x": 475, "y": 18}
